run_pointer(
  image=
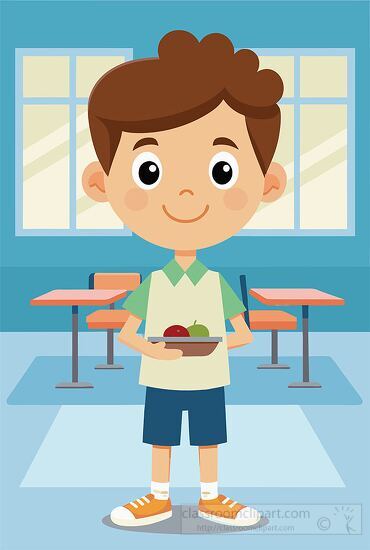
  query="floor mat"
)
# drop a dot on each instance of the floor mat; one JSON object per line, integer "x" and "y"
{"x": 95, "y": 446}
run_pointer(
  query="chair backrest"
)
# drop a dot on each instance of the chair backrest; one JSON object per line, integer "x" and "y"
{"x": 127, "y": 281}
{"x": 244, "y": 291}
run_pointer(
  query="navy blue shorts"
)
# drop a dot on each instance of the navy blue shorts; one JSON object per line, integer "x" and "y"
{"x": 163, "y": 414}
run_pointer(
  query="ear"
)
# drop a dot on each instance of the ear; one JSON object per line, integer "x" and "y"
{"x": 93, "y": 182}
{"x": 275, "y": 182}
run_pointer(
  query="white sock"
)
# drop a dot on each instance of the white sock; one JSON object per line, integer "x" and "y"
{"x": 161, "y": 491}
{"x": 209, "y": 491}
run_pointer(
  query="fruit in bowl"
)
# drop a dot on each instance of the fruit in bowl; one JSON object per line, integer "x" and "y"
{"x": 193, "y": 340}
{"x": 195, "y": 331}
{"x": 176, "y": 330}
{"x": 198, "y": 330}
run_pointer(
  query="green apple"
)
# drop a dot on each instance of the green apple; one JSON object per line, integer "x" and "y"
{"x": 198, "y": 330}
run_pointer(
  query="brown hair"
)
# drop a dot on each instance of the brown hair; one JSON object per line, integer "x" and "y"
{"x": 186, "y": 81}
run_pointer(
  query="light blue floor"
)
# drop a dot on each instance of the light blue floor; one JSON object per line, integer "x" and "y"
{"x": 249, "y": 385}
{"x": 66, "y": 467}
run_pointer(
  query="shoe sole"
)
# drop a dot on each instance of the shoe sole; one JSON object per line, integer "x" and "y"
{"x": 141, "y": 522}
{"x": 225, "y": 521}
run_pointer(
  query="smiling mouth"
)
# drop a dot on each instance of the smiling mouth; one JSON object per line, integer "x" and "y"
{"x": 186, "y": 220}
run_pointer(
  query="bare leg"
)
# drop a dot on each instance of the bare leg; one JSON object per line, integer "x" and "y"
{"x": 155, "y": 506}
{"x": 212, "y": 505}
{"x": 161, "y": 461}
{"x": 208, "y": 463}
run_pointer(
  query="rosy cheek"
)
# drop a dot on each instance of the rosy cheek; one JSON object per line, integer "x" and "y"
{"x": 235, "y": 199}
{"x": 136, "y": 199}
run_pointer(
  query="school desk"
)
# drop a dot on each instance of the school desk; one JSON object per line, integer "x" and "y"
{"x": 303, "y": 297}
{"x": 76, "y": 298}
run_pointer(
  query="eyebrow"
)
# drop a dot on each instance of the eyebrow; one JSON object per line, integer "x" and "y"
{"x": 145, "y": 141}
{"x": 225, "y": 141}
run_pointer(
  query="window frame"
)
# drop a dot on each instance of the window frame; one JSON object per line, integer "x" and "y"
{"x": 297, "y": 101}
{"x": 72, "y": 101}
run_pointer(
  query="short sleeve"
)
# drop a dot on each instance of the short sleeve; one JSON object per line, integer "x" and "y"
{"x": 230, "y": 301}
{"x": 137, "y": 301}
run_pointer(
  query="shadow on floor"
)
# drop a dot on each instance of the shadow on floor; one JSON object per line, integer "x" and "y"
{"x": 185, "y": 521}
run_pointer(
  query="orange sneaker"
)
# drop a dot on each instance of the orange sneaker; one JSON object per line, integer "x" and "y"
{"x": 229, "y": 512}
{"x": 142, "y": 511}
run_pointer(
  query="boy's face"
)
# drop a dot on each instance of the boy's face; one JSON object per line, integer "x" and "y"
{"x": 188, "y": 187}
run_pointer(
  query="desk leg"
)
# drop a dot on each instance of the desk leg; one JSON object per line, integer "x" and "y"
{"x": 110, "y": 364}
{"x": 75, "y": 383}
{"x": 306, "y": 382}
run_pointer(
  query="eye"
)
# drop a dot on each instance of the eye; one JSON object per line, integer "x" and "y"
{"x": 223, "y": 170}
{"x": 147, "y": 170}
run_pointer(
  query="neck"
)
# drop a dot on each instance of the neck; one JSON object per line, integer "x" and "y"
{"x": 185, "y": 258}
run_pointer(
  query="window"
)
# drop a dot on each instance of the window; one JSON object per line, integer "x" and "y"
{"x": 316, "y": 144}
{"x": 53, "y": 141}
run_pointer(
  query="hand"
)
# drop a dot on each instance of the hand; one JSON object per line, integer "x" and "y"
{"x": 159, "y": 351}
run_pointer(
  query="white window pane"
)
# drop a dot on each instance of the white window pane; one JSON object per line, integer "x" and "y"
{"x": 280, "y": 214}
{"x": 323, "y": 187}
{"x": 90, "y": 214}
{"x": 90, "y": 68}
{"x": 46, "y": 76}
{"x": 45, "y": 166}
{"x": 324, "y": 76}
{"x": 284, "y": 66}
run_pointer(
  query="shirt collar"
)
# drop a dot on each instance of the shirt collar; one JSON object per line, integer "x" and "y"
{"x": 175, "y": 272}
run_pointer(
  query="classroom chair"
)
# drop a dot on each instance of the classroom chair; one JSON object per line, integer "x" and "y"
{"x": 273, "y": 320}
{"x": 111, "y": 319}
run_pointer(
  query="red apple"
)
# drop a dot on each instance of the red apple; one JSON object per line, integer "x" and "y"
{"x": 176, "y": 330}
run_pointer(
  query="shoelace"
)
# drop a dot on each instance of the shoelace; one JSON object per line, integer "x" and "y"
{"x": 232, "y": 502}
{"x": 140, "y": 501}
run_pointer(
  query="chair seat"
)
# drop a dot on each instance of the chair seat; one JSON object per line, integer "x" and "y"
{"x": 107, "y": 318}
{"x": 271, "y": 319}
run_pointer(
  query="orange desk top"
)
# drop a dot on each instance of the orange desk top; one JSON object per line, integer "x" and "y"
{"x": 76, "y": 297}
{"x": 295, "y": 297}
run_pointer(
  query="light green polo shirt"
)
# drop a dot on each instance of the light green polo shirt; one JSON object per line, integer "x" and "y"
{"x": 137, "y": 302}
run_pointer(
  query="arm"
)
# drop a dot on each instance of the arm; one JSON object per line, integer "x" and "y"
{"x": 129, "y": 336}
{"x": 241, "y": 335}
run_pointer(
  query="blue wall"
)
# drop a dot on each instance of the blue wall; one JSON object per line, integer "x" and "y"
{"x": 32, "y": 265}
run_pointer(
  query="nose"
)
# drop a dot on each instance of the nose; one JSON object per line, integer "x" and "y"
{"x": 183, "y": 191}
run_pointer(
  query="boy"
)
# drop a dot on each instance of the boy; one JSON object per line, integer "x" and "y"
{"x": 185, "y": 143}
